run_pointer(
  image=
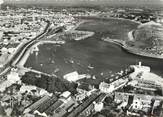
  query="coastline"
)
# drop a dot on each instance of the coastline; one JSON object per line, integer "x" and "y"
{"x": 121, "y": 43}
{"x": 137, "y": 51}
{"x": 35, "y": 48}
{"x": 131, "y": 50}
{"x": 130, "y": 36}
{"x": 140, "y": 53}
{"x": 90, "y": 17}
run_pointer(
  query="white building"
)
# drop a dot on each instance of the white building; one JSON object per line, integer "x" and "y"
{"x": 66, "y": 94}
{"x": 13, "y": 77}
{"x": 142, "y": 103}
{"x": 98, "y": 106}
{"x": 143, "y": 73}
{"x": 74, "y": 76}
{"x": 109, "y": 88}
{"x": 106, "y": 88}
{"x": 27, "y": 88}
{"x": 139, "y": 69}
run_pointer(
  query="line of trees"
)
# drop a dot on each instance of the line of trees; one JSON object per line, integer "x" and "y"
{"x": 51, "y": 84}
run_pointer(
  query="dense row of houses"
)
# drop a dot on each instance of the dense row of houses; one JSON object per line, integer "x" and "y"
{"x": 55, "y": 106}
{"x": 64, "y": 105}
{"x": 135, "y": 104}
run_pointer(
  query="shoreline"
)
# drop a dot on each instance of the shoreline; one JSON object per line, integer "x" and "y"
{"x": 137, "y": 51}
{"x": 90, "y": 17}
{"x": 144, "y": 54}
{"x": 89, "y": 34}
{"x": 35, "y": 48}
{"x": 131, "y": 50}
{"x": 121, "y": 43}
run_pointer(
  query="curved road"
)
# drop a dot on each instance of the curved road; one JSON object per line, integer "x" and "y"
{"x": 21, "y": 50}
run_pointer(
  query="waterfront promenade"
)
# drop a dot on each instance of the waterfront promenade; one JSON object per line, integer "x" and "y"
{"x": 12, "y": 61}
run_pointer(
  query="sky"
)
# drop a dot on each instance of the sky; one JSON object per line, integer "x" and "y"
{"x": 76, "y": 2}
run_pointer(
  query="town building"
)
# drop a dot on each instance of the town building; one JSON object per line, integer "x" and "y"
{"x": 109, "y": 88}
{"x": 37, "y": 104}
{"x": 136, "y": 103}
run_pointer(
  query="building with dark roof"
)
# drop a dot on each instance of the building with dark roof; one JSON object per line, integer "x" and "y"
{"x": 90, "y": 109}
{"x": 36, "y": 105}
{"x": 53, "y": 107}
{"x": 136, "y": 103}
{"x": 87, "y": 107}
{"x": 43, "y": 107}
{"x": 62, "y": 107}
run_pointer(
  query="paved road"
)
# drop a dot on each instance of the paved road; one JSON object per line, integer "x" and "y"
{"x": 21, "y": 50}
